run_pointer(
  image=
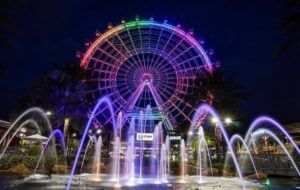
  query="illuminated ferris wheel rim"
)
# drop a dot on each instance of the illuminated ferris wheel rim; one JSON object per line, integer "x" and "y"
{"x": 145, "y": 63}
{"x": 145, "y": 23}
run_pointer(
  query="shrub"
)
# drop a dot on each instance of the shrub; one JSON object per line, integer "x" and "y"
{"x": 33, "y": 150}
{"x": 10, "y": 161}
{"x": 48, "y": 164}
{"x": 31, "y": 162}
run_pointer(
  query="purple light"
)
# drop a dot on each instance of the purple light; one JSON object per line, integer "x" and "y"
{"x": 236, "y": 137}
{"x": 101, "y": 101}
{"x": 273, "y": 122}
{"x": 204, "y": 108}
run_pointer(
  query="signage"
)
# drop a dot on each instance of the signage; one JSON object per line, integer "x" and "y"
{"x": 144, "y": 137}
{"x": 175, "y": 138}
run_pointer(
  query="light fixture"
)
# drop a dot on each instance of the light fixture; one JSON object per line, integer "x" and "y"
{"x": 228, "y": 120}
{"x": 98, "y": 131}
{"x": 214, "y": 120}
{"x": 48, "y": 113}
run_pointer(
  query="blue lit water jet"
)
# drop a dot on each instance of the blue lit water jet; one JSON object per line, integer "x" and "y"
{"x": 104, "y": 100}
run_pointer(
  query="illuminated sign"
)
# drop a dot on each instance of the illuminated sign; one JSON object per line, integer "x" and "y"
{"x": 175, "y": 138}
{"x": 144, "y": 137}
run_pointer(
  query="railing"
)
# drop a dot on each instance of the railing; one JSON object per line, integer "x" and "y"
{"x": 273, "y": 164}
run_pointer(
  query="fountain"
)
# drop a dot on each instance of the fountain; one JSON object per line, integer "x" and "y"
{"x": 104, "y": 100}
{"x": 263, "y": 131}
{"x": 53, "y": 149}
{"x": 269, "y": 120}
{"x": 199, "y": 114}
{"x": 182, "y": 161}
{"x": 92, "y": 139}
{"x": 117, "y": 149}
{"x": 28, "y": 121}
{"x": 236, "y": 137}
{"x": 203, "y": 141}
{"x": 145, "y": 78}
{"x": 97, "y": 159}
{"x": 31, "y": 111}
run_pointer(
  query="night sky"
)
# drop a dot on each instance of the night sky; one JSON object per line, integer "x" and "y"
{"x": 243, "y": 34}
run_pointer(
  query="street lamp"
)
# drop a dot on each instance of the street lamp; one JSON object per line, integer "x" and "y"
{"x": 98, "y": 131}
{"x": 228, "y": 120}
{"x": 48, "y": 113}
{"x": 214, "y": 120}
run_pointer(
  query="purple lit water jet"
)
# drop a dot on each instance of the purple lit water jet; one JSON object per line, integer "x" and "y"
{"x": 51, "y": 136}
{"x": 274, "y": 123}
{"x": 101, "y": 101}
{"x": 207, "y": 108}
{"x": 236, "y": 137}
{"x": 263, "y": 131}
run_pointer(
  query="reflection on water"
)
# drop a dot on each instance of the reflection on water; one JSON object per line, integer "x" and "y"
{"x": 15, "y": 182}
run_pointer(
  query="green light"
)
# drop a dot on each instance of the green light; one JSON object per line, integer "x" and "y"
{"x": 267, "y": 182}
{"x": 137, "y": 23}
{"x": 132, "y": 24}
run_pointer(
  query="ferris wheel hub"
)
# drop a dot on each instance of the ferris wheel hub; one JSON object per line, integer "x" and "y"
{"x": 147, "y": 77}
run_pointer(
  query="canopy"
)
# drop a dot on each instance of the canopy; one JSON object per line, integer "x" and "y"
{"x": 35, "y": 137}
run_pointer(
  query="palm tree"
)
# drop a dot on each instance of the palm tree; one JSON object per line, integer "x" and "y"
{"x": 223, "y": 92}
{"x": 290, "y": 24}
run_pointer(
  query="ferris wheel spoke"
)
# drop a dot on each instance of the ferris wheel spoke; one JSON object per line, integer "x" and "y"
{"x": 156, "y": 47}
{"x": 142, "y": 47}
{"x": 120, "y": 53}
{"x": 189, "y": 73}
{"x": 165, "y": 45}
{"x": 181, "y": 53}
{"x": 188, "y": 60}
{"x": 181, "y": 112}
{"x": 116, "y": 59}
{"x": 116, "y": 49}
{"x": 164, "y": 68}
{"x": 174, "y": 48}
{"x": 181, "y": 101}
{"x": 123, "y": 44}
{"x": 104, "y": 62}
{"x": 134, "y": 47}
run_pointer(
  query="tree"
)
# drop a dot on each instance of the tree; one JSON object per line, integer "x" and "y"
{"x": 223, "y": 92}
{"x": 60, "y": 92}
{"x": 290, "y": 24}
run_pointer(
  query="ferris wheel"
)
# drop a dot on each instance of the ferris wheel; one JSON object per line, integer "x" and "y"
{"x": 145, "y": 63}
